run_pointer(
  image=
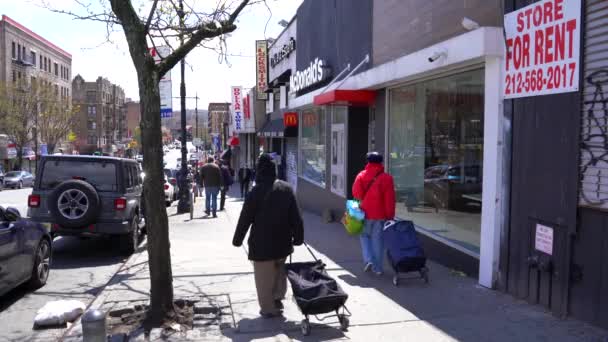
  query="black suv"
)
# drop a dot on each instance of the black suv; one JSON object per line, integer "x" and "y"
{"x": 90, "y": 196}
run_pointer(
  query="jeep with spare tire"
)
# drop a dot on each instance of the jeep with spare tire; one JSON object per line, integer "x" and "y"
{"x": 90, "y": 196}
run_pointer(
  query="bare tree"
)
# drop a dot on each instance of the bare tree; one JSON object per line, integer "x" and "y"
{"x": 147, "y": 25}
{"x": 18, "y": 109}
{"x": 55, "y": 119}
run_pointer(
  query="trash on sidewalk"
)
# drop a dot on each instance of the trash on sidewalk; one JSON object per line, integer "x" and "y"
{"x": 58, "y": 313}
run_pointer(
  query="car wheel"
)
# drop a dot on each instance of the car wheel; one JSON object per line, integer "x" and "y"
{"x": 74, "y": 204}
{"x": 129, "y": 242}
{"x": 42, "y": 265}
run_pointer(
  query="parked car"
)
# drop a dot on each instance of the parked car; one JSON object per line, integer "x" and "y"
{"x": 25, "y": 251}
{"x": 170, "y": 194}
{"x": 171, "y": 175}
{"x": 90, "y": 196}
{"x": 1, "y": 177}
{"x": 18, "y": 179}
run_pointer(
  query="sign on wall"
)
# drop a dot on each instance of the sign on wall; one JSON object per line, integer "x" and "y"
{"x": 543, "y": 239}
{"x": 164, "y": 85}
{"x": 543, "y": 46}
{"x": 237, "y": 110}
{"x": 290, "y": 119}
{"x": 261, "y": 55}
{"x": 283, "y": 53}
{"x": 248, "y": 117}
{"x": 315, "y": 74}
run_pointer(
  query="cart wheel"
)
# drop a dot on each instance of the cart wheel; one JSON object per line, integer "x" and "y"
{"x": 396, "y": 280}
{"x": 344, "y": 322}
{"x": 305, "y": 327}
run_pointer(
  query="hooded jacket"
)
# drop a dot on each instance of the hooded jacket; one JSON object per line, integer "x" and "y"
{"x": 379, "y": 202}
{"x": 271, "y": 210}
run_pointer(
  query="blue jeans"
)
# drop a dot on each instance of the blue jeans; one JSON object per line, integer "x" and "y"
{"x": 372, "y": 245}
{"x": 211, "y": 198}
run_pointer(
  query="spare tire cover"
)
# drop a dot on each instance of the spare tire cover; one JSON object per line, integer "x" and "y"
{"x": 74, "y": 204}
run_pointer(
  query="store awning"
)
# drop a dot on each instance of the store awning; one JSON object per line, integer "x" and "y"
{"x": 346, "y": 97}
{"x": 273, "y": 128}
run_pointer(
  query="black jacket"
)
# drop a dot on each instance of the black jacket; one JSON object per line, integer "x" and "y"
{"x": 276, "y": 223}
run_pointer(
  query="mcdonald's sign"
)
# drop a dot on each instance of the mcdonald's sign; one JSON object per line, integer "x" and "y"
{"x": 290, "y": 119}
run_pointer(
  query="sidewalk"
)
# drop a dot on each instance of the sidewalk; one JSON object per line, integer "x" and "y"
{"x": 450, "y": 308}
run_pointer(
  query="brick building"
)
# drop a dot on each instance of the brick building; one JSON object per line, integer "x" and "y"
{"x": 102, "y": 123}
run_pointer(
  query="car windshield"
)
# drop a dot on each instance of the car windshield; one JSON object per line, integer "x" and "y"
{"x": 13, "y": 174}
{"x": 100, "y": 174}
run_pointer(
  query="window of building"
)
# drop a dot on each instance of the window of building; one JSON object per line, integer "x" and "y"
{"x": 91, "y": 96}
{"x": 18, "y": 75}
{"x": 67, "y": 73}
{"x": 435, "y": 155}
{"x": 56, "y": 69}
{"x": 14, "y": 51}
{"x": 33, "y": 58}
{"x": 14, "y": 76}
{"x": 312, "y": 146}
{"x": 23, "y": 52}
{"x": 19, "y": 51}
{"x": 44, "y": 64}
{"x": 40, "y": 64}
{"x": 56, "y": 90}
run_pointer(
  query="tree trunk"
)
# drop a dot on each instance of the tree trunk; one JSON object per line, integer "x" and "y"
{"x": 161, "y": 278}
{"x": 19, "y": 164}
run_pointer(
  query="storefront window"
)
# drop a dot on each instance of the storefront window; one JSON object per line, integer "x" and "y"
{"x": 436, "y": 155}
{"x": 312, "y": 146}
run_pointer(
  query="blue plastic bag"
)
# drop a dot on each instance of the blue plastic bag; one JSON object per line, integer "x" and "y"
{"x": 354, "y": 211}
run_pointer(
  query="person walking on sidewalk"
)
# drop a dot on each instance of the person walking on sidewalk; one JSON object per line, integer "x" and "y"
{"x": 227, "y": 181}
{"x": 211, "y": 179}
{"x": 375, "y": 189}
{"x": 272, "y": 212}
{"x": 245, "y": 175}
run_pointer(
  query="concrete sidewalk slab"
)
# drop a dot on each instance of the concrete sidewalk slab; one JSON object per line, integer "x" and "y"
{"x": 451, "y": 307}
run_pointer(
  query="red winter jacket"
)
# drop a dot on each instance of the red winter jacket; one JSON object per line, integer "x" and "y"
{"x": 379, "y": 203}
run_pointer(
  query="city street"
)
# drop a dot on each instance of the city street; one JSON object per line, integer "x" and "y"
{"x": 79, "y": 270}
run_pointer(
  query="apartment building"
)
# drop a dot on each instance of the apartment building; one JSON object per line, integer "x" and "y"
{"x": 102, "y": 119}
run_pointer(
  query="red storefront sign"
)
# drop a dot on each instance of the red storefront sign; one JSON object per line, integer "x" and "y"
{"x": 290, "y": 119}
{"x": 543, "y": 46}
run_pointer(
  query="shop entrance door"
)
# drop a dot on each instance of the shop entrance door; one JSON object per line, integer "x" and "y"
{"x": 338, "y": 181}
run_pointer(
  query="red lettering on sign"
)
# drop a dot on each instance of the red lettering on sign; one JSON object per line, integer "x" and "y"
{"x": 538, "y": 47}
{"x": 560, "y": 43}
{"x": 559, "y": 9}
{"x": 570, "y": 27}
{"x": 547, "y": 12}
{"x": 549, "y": 44}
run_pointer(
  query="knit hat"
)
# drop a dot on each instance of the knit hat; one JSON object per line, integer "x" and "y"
{"x": 374, "y": 157}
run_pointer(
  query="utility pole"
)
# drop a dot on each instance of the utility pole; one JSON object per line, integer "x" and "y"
{"x": 183, "y": 205}
{"x": 196, "y": 116}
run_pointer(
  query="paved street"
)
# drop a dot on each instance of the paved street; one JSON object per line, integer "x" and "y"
{"x": 80, "y": 269}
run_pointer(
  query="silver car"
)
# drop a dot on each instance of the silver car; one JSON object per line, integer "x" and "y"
{"x": 18, "y": 179}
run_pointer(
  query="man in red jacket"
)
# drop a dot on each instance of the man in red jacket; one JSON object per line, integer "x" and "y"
{"x": 375, "y": 189}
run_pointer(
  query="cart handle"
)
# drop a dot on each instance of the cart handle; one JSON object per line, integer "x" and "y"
{"x": 309, "y": 250}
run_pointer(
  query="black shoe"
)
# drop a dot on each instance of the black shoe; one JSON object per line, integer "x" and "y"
{"x": 214, "y": 215}
{"x": 207, "y": 213}
{"x": 278, "y": 304}
{"x": 271, "y": 314}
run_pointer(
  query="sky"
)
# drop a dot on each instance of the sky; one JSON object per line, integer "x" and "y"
{"x": 205, "y": 76}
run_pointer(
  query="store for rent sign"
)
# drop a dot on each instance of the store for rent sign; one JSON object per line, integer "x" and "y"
{"x": 543, "y": 46}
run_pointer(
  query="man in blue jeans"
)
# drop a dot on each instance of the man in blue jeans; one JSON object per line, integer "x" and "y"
{"x": 375, "y": 189}
{"x": 211, "y": 179}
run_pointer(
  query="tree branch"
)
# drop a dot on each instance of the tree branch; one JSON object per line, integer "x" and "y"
{"x": 151, "y": 16}
{"x": 205, "y": 31}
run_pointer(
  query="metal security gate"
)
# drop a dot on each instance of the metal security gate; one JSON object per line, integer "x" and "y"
{"x": 589, "y": 276}
{"x": 594, "y": 130}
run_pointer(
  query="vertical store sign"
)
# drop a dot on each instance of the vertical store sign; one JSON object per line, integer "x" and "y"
{"x": 164, "y": 85}
{"x": 261, "y": 57}
{"x": 237, "y": 110}
{"x": 542, "y": 49}
{"x": 248, "y": 120}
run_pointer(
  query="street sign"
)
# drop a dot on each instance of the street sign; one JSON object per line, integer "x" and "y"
{"x": 164, "y": 85}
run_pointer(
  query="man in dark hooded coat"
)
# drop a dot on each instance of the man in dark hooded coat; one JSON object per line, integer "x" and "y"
{"x": 272, "y": 212}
